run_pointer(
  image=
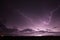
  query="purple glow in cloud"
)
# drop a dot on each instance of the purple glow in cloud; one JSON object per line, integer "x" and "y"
{"x": 45, "y": 24}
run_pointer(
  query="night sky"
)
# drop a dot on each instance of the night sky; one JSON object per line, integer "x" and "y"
{"x": 31, "y": 14}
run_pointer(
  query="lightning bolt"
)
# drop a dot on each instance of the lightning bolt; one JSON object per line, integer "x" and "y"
{"x": 51, "y": 14}
{"x": 28, "y": 18}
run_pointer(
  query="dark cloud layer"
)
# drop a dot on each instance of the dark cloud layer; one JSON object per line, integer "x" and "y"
{"x": 20, "y": 13}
